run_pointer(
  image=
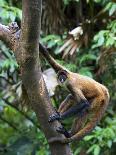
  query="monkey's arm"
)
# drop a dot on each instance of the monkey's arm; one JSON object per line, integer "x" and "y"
{"x": 66, "y": 104}
{"x": 80, "y": 106}
{"x": 96, "y": 115}
{"x": 77, "y": 94}
{"x": 78, "y": 123}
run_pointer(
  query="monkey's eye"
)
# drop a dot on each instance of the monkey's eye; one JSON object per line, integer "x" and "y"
{"x": 62, "y": 78}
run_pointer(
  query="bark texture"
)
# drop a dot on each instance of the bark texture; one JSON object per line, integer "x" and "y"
{"x": 27, "y": 55}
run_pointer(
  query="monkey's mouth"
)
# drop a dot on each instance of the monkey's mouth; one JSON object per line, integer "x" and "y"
{"x": 62, "y": 80}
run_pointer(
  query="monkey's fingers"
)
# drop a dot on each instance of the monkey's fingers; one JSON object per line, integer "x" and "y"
{"x": 53, "y": 117}
{"x": 63, "y": 131}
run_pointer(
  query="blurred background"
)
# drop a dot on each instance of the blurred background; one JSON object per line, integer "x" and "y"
{"x": 79, "y": 34}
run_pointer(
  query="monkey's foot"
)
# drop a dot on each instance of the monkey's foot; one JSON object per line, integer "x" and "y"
{"x": 53, "y": 117}
{"x": 63, "y": 131}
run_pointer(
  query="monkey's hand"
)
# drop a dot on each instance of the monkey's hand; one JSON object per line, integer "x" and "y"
{"x": 55, "y": 116}
{"x": 63, "y": 131}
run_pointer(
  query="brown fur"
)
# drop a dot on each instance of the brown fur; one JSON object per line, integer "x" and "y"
{"x": 97, "y": 95}
{"x": 81, "y": 87}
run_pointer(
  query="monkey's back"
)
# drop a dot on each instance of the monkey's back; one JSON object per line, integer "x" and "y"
{"x": 88, "y": 86}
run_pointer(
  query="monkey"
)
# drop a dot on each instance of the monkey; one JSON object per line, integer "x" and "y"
{"x": 86, "y": 102}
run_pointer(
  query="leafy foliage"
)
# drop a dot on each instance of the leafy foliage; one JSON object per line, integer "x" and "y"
{"x": 9, "y": 13}
{"x": 106, "y": 37}
{"x": 96, "y": 58}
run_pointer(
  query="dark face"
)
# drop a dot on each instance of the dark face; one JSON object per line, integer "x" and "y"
{"x": 62, "y": 78}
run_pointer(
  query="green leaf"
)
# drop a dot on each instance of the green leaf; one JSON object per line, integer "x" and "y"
{"x": 87, "y": 138}
{"x": 19, "y": 13}
{"x": 110, "y": 132}
{"x": 86, "y": 71}
{"x": 109, "y": 143}
{"x": 3, "y": 2}
{"x": 100, "y": 40}
{"x": 4, "y": 14}
{"x": 98, "y": 128}
{"x": 91, "y": 149}
{"x": 97, "y": 150}
{"x": 87, "y": 57}
{"x": 108, "y": 6}
{"x": 77, "y": 151}
{"x": 112, "y": 10}
{"x": 12, "y": 16}
{"x": 51, "y": 44}
{"x": 110, "y": 41}
{"x": 49, "y": 37}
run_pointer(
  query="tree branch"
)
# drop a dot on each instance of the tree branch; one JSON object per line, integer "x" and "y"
{"x": 9, "y": 37}
{"x": 27, "y": 55}
{"x": 5, "y": 34}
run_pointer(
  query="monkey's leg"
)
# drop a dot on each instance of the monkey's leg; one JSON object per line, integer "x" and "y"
{"x": 96, "y": 113}
{"x": 96, "y": 116}
{"x": 80, "y": 106}
{"x": 78, "y": 124}
{"x": 66, "y": 104}
{"x": 77, "y": 109}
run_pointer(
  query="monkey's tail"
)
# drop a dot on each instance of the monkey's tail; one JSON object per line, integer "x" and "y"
{"x": 57, "y": 67}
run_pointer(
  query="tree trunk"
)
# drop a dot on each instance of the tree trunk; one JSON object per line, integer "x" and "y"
{"x": 28, "y": 59}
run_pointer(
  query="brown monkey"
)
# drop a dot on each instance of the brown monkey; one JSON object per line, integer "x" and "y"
{"x": 88, "y": 101}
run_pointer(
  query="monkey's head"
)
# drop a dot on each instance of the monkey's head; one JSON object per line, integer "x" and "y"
{"x": 62, "y": 76}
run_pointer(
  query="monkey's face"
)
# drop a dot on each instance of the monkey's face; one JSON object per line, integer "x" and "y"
{"x": 62, "y": 77}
